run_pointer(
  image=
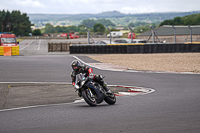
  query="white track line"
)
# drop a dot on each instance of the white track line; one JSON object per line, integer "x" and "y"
{"x": 67, "y": 83}
{"x": 86, "y": 63}
{"x": 76, "y": 101}
{"x": 57, "y": 83}
{"x": 166, "y": 72}
{"x": 26, "y": 45}
{"x": 39, "y": 45}
{"x": 27, "y": 107}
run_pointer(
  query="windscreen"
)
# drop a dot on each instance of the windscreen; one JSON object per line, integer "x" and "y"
{"x": 8, "y": 40}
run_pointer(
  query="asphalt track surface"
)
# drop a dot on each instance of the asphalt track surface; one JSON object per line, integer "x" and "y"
{"x": 173, "y": 107}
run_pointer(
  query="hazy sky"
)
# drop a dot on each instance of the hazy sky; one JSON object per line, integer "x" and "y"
{"x": 99, "y": 6}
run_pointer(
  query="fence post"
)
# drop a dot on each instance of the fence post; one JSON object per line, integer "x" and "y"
{"x": 110, "y": 33}
{"x": 131, "y": 34}
{"x": 190, "y": 33}
{"x": 153, "y": 34}
{"x": 174, "y": 32}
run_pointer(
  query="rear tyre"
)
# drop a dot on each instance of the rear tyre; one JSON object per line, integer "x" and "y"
{"x": 89, "y": 100}
{"x": 110, "y": 99}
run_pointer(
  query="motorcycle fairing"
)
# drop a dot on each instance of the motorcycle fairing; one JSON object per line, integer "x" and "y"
{"x": 97, "y": 89}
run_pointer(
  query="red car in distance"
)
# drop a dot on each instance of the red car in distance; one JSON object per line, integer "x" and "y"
{"x": 63, "y": 35}
{"x": 71, "y": 35}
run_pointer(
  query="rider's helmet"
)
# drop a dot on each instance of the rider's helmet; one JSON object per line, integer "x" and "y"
{"x": 75, "y": 65}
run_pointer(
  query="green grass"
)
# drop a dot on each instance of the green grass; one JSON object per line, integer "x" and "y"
{"x": 19, "y": 40}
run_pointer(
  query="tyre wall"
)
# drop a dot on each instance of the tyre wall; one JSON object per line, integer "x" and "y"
{"x": 128, "y": 48}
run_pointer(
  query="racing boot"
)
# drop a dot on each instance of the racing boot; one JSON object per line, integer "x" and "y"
{"x": 79, "y": 94}
{"x": 108, "y": 91}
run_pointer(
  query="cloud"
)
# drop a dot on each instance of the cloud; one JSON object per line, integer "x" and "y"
{"x": 98, "y": 6}
{"x": 28, "y": 3}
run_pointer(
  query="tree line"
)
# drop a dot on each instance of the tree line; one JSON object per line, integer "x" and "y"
{"x": 193, "y": 19}
{"x": 62, "y": 29}
{"x": 15, "y": 22}
{"x": 19, "y": 24}
{"x": 100, "y": 26}
{"x": 97, "y": 28}
{"x": 91, "y": 22}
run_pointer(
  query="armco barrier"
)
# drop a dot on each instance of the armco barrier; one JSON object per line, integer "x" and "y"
{"x": 128, "y": 48}
{"x": 1, "y": 50}
{"x": 9, "y": 50}
{"x": 15, "y": 50}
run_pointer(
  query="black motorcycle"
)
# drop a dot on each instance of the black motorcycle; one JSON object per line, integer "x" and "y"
{"x": 92, "y": 92}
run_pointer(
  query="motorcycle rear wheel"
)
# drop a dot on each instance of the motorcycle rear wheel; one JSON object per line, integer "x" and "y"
{"x": 110, "y": 99}
{"x": 89, "y": 100}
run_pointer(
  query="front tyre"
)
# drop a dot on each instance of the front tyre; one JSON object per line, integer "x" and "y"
{"x": 110, "y": 99}
{"x": 89, "y": 100}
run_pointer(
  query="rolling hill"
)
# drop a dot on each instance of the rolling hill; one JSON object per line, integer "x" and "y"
{"x": 115, "y": 16}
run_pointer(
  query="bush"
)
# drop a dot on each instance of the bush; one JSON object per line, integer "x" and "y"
{"x": 36, "y": 32}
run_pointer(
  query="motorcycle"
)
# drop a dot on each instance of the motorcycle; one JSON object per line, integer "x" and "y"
{"x": 92, "y": 92}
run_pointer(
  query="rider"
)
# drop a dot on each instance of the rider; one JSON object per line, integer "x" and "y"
{"x": 81, "y": 68}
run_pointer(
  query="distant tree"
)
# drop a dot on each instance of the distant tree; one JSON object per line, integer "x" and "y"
{"x": 8, "y": 21}
{"x": 105, "y": 22}
{"x": 49, "y": 28}
{"x": 131, "y": 24}
{"x": 24, "y": 25}
{"x": 99, "y": 28}
{"x": 58, "y": 29}
{"x": 2, "y": 19}
{"x": 71, "y": 29}
{"x": 36, "y": 32}
{"x": 82, "y": 28}
{"x": 193, "y": 19}
{"x": 91, "y": 22}
{"x": 178, "y": 21}
{"x": 139, "y": 24}
{"x": 88, "y": 22}
{"x": 15, "y": 22}
{"x": 167, "y": 22}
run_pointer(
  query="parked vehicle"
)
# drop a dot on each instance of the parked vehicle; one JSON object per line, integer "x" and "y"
{"x": 63, "y": 35}
{"x": 92, "y": 92}
{"x": 104, "y": 42}
{"x": 8, "y": 39}
{"x": 138, "y": 41}
{"x": 122, "y": 40}
{"x": 115, "y": 34}
{"x": 73, "y": 36}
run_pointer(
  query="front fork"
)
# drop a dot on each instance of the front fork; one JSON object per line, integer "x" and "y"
{"x": 90, "y": 92}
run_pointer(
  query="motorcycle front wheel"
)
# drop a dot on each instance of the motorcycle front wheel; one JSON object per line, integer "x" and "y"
{"x": 110, "y": 99}
{"x": 89, "y": 100}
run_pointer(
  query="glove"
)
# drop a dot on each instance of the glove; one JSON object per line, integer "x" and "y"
{"x": 100, "y": 77}
{"x": 76, "y": 87}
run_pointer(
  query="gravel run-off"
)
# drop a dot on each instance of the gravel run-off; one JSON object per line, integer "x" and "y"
{"x": 172, "y": 62}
